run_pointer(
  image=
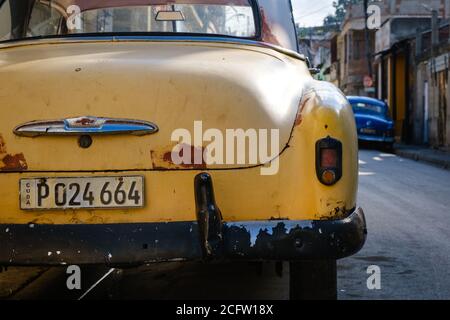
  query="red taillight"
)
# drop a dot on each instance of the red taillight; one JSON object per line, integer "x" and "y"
{"x": 329, "y": 160}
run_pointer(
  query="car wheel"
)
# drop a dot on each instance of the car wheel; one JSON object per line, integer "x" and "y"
{"x": 313, "y": 280}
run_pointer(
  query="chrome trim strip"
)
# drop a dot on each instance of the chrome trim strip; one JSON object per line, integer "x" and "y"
{"x": 130, "y": 38}
{"x": 85, "y": 125}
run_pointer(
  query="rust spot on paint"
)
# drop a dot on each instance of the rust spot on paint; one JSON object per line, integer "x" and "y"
{"x": 194, "y": 152}
{"x": 336, "y": 209}
{"x": 15, "y": 162}
{"x": 298, "y": 119}
{"x": 10, "y": 162}
{"x": 2, "y": 145}
{"x": 167, "y": 159}
{"x": 154, "y": 158}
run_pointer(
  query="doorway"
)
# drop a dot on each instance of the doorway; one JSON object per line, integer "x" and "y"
{"x": 442, "y": 117}
{"x": 425, "y": 112}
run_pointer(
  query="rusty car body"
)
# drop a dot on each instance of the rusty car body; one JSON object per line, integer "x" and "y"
{"x": 102, "y": 103}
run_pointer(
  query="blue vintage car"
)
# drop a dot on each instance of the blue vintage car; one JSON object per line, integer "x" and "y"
{"x": 373, "y": 121}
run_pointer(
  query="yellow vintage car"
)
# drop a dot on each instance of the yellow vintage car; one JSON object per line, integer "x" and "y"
{"x": 137, "y": 131}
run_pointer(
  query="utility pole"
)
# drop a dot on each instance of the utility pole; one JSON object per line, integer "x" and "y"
{"x": 434, "y": 40}
{"x": 434, "y": 28}
{"x": 447, "y": 8}
{"x": 434, "y": 36}
{"x": 367, "y": 38}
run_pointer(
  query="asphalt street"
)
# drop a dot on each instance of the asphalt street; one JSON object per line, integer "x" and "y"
{"x": 407, "y": 206}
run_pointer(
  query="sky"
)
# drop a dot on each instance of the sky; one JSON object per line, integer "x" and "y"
{"x": 310, "y": 13}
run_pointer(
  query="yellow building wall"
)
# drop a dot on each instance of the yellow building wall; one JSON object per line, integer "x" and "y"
{"x": 390, "y": 81}
{"x": 396, "y": 68}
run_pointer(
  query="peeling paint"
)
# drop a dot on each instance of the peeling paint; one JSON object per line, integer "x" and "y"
{"x": 256, "y": 231}
{"x": 273, "y": 240}
{"x": 298, "y": 119}
{"x": 164, "y": 159}
{"x": 335, "y": 209}
{"x": 290, "y": 240}
{"x": 11, "y": 162}
{"x": 15, "y": 162}
{"x": 169, "y": 156}
{"x": 2, "y": 145}
{"x": 299, "y": 116}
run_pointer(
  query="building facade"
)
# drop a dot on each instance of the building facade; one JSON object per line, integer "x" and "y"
{"x": 430, "y": 111}
{"x": 354, "y": 49}
{"x": 407, "y": 65}
{"x": 411, "y": 50}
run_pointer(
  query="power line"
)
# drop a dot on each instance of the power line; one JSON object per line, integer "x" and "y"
{"x": 313, "y": 12}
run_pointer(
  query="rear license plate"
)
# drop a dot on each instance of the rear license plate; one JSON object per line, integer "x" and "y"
{"x": 81, "y": 193}
{"x": 368, "y": 131}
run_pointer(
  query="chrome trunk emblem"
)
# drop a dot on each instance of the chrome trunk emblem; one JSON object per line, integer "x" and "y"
{"x": 85, "y": 125}
{"x": 85, "y": 122}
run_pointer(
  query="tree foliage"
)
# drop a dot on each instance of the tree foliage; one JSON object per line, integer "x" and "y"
{"x": 336, "y": 19}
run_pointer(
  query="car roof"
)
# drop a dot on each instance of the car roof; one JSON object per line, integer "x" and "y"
{"x": 366, "y": 100}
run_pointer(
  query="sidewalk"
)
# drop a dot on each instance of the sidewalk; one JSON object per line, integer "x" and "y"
{"x": 424, "y": 154}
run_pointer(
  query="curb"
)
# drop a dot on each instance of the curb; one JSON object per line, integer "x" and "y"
{"x": 442, "y": 161}
{"x": 14, "y": 279}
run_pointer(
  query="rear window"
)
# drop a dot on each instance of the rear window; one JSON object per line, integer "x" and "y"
{"x": 22, "y": 19}
{"x": 367, "y": 108}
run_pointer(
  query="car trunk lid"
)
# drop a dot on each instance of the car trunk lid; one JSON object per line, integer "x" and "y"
{"x": 171, "y": 85}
